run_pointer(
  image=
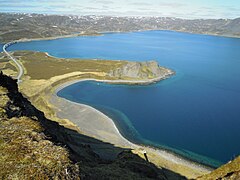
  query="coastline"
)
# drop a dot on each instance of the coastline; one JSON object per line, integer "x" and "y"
{"x": 102, "y": 33}
{"x": 53, "y": 37}
{"x": 168, "y": 156}
{"x": 188, "y": 166}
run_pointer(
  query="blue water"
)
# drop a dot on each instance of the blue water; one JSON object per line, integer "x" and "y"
{"x": 196, "y": 111}
{"x": 1, "y": 46}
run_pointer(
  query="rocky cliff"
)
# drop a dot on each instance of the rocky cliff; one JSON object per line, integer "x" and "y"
{"x": 26, "y": 151}
{"x": 229, "y": 171}
{"x": 141, "y": 70}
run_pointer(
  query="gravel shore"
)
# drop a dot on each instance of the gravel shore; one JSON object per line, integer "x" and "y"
{"x": 96, "y": 124}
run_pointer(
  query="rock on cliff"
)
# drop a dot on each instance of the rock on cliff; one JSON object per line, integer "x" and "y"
{"x": 141, "y": 70}
{"x": 229, "y": 171}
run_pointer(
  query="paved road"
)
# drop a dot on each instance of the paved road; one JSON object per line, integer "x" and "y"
{"x": 20, "y": 68}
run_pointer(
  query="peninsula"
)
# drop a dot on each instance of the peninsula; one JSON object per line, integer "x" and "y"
{"x": 43, "y": 74}
{"x": 83, "y": 144}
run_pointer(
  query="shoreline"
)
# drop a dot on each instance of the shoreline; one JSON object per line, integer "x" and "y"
{"x": 166, "y": 154}
{"x": 102, "y": 33}
{"x": 22, "y": 40}
{"x": 189, "y": 166}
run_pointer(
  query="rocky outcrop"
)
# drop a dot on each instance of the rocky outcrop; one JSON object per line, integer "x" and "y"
{"x": 229, "y": 171}
{"x": 140, "y": 70}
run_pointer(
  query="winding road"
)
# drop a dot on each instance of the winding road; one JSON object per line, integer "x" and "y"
{"x": 19, "y": 66}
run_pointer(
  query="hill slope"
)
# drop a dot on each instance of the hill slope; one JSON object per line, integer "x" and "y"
{"x": 229, "y": 171}
{"x": 17, "y": 26}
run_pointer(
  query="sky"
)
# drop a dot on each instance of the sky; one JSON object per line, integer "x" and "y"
{"x": 189, "y": 9}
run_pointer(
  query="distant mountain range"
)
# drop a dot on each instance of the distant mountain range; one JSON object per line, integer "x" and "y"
{"x": 16, "y": 26}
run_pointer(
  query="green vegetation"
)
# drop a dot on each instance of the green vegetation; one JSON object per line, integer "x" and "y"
{"x": 41, "y": 66}
{"x": 5, "y": 63}
{"x": 230, "y": 171}
{"x": 26, "y": 153}
{"x": 18, "y": 34}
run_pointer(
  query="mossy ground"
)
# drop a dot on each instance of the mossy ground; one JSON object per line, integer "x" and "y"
{"x": 229, "y": 171}
{"x": 26, "y": 153}
{"x": 42, "y": 66}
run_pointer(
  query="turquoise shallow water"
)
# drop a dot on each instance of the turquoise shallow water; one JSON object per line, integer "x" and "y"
{"x": 196, "y": 111}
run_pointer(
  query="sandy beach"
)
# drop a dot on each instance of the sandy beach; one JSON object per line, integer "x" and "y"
{"x": 96, "y": 124}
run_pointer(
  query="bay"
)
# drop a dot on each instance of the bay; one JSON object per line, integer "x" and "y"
{"x": 196, "y": 112}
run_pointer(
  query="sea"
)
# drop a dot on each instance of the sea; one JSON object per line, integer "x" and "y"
{"x": 194, "y": 114}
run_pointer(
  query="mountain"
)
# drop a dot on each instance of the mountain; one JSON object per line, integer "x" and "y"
{"x": 17, "y": 26}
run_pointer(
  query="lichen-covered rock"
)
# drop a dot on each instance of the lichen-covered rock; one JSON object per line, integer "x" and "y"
{"x": 140, "y": 70}
{"x": 229, "y": 171}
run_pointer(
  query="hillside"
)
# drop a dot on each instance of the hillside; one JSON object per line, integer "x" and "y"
{"x": 229, "y": 171}
{"x": 26, "y": 151}
{"x": 17, "y": 26}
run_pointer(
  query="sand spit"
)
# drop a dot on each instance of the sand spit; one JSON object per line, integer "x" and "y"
{"x": 96, "y": 124}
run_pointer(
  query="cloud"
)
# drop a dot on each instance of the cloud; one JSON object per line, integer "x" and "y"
{"x": 7, "y": 5}
{"x": 172, "y": 5}
{"x": 233, "y": 9}
{"x": 143, "y": 9}
{"x": 182, "y": 9}
{"x": 103, "y": 1}
{"x": 139, "y": 4}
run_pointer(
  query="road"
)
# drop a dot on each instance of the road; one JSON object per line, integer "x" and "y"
{"x": 19, "y": 66}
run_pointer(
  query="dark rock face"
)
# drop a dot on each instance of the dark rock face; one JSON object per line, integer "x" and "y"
{"x": 8, "y": 83}
{"x": 18, "y": 106}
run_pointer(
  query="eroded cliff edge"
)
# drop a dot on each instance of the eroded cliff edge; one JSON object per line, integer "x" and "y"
{"x": 141, "y": 70}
